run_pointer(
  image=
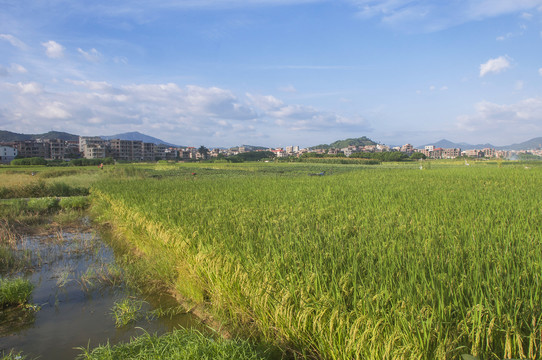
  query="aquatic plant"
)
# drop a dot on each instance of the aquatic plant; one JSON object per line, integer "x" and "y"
{"x": 15, "y": 292}
{"x": 12, "y": 355}
{"x": 127, "y": 310}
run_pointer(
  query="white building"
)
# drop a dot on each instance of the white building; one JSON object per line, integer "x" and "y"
{"x": 92, "y": 147}
{"x": 7, "y": 154}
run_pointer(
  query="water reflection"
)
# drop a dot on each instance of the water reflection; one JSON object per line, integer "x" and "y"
{"x": 76, "y": 286}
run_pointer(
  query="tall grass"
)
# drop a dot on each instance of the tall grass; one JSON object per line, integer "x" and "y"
{"x": 179, "y": 344}
{"x": 15, "y": 292}
{"x": 375, "y": 263}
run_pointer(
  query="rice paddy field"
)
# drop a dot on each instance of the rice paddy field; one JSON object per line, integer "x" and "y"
{"x": 366, "y": 262}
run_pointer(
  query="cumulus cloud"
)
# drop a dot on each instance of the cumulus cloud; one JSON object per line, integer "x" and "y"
{"x": 521, "y": 119}
{"x": 54, "y": 110}
{"x": 32, "y": 88}
{"x": 300, "y": 117}
{"x": 53, "y": 49}
{"x": 92, "y": 55}
{"x": 94, "y": 107}
{"x": 496, "y": 65}
{"x": 13, "y": 41}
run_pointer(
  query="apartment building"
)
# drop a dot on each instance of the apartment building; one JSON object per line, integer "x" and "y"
{"x": 31, "y": 148}
{"x": 92, "y": 147}
{"x": 7, "y": 153}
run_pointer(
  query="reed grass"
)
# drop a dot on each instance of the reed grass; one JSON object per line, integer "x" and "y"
{"x": 371, "y": 263}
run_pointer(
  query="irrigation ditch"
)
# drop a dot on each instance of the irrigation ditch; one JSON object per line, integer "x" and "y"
{"x": 81, "y": 296}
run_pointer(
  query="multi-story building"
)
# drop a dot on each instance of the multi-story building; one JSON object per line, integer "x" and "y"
{"x": 407, "y": 148}
{"x": 451, "y": 153}
{"x": 130, "y": 150}
{"x": 31, "y": 148}
{"x": 489, "y": 152}
{"x": 160, "y": 151}
{"x": 92, "y": 147}
{"x": 148, "y": 151}
{"x": 473, "y": 153}
{"x": 57, "y": 149}
{"x": 7, "y": 153}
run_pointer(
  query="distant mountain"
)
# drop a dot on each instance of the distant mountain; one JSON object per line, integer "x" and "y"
{"x": 7, "y": 136}
{"x": 447, "y": 144}
{"x": 339, "y": 144}
{"x": 250, "y": 147}
{"x": 137, "y": 136}
{"x": 535, "y": 143}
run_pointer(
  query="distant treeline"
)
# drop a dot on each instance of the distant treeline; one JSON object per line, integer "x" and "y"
{"x": 379, "y": 156}
{"x": 247, "y": 156}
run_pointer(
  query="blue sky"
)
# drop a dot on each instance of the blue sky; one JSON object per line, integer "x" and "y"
{"x": 274, "y": 72}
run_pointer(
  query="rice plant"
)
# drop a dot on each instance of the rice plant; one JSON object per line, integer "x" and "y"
{"x": 362, "y": 263}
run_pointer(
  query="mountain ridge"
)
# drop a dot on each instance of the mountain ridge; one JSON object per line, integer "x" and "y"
{"x": 534, "y": 143}
{"x": 8, "y": 136}
{"x": 137, "y": 136}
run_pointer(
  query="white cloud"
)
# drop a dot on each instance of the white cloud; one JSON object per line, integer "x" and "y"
{"x": 54, "y": 110}
{"x": 289, "y": 89}
{"x": 13, "y": 41}
{"x": 92, "y": 55}
{"x": 53, "y": 49}
{"x": 302, "y": 118}
{"x": 32, "y": 88}
{"x": 496, "y": 65}
{"x": 426, "y": 15}
{"x": 99, "y": 107}
{"x": 521, "y": 119}
{"x": 13, "y": 69}
{"x": 505, "y": 37}
{"x": 19, "y": 69}
{"x": 540, "y": 71}
{"x": 519, "y": 85}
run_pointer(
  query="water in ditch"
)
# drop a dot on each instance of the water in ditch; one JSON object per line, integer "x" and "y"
{"x": 77, "y": 284}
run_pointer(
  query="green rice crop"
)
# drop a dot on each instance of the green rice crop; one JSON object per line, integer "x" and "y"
{"x": 364, "y": 263}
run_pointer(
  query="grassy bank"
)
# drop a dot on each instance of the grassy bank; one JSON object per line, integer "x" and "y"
{"x": 179, "y": 344}
{"x": 386, "y": 262}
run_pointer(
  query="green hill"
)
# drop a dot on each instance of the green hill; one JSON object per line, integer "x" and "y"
{"x": 7, "y": 136}
{"x": 339, "y": 144}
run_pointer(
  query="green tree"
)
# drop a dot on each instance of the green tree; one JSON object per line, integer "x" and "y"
{"x": 417, "y": 156}
{"x": 203, "y": 151}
